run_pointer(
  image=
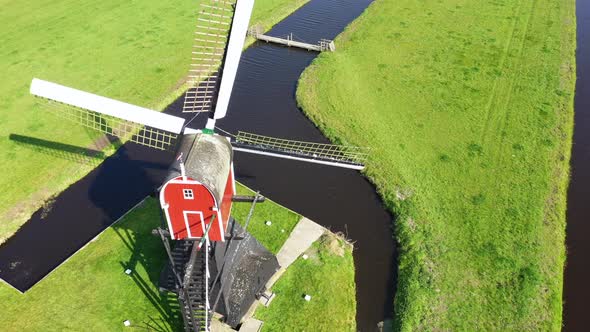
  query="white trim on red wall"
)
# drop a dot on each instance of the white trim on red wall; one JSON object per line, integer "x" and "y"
{"x": 164, "y": 205}
{"x": 233, "y": 178}
{"x": 220, "y": 224}
{"x": 188, "y": 229}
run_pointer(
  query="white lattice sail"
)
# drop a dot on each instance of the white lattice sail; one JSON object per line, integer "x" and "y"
{"x": 219, "y": 40}
{"x": 346, "y": 156}
{"x": 141, "y": 125}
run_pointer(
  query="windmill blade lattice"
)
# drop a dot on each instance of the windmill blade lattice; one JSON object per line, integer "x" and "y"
{"x": 126, "y": 130}
{"x": 214, "y": 21}
{"x": 129, "y": 122}
{"x": 318, "y": 151}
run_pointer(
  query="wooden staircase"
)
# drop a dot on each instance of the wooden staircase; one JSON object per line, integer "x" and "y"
{"x": 191, "y": 267}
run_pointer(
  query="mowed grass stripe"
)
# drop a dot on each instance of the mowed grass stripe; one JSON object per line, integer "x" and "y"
{"x": 467, "y": 106}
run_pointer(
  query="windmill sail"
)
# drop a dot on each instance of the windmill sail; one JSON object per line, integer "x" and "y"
{"x": 327, "y": 154}
{"x": 113, "y": 117}
{"x": 234, "y": 51}
{"x": 219, "y": 40}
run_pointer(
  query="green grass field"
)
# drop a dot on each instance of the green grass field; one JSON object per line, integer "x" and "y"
{"x": 328, "y": 276}
{"x": 135, "y": 51}
{"x": 468, "y": 109}
{"x": 282, "y": 221}
{"x": 91, "y": 291}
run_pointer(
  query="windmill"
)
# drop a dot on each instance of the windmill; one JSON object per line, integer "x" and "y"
{"x": 205, "y": 247}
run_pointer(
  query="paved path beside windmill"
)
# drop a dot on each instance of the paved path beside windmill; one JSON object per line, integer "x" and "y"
{"x": 305, "y": 233}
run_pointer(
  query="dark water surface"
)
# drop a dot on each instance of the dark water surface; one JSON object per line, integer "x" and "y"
{"x": 263, "y": 101}
{"x": 577, "y": 272}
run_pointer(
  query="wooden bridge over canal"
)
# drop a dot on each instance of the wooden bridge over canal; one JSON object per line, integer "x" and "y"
{"x": 322, "y": 46}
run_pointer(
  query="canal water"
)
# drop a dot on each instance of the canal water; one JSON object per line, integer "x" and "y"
{"x": 263, "y": 102}
{"x": 577, "y": 272}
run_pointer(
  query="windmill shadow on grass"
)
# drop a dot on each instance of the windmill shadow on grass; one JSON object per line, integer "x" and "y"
{"x": 147, "y": 253}
{"x": 81, "y": 211}
{"x": 146, "y": 249}
{"x": 116, "y": 184}
{"x": 64, "y": 151}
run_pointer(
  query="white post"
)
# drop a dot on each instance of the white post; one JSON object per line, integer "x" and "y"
{"x": 207, "y": 283}
{"x": 182, "y": 170}
{"x": 210, "y": 124}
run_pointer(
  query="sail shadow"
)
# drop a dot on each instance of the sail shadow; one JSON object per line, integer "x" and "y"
{"x": 60, "y": 150}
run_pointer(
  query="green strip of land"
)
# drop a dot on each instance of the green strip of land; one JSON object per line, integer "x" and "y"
{"x": 135, "y": 51}
{"x": 328, "y": 277}
{"x": 468, "y": 109}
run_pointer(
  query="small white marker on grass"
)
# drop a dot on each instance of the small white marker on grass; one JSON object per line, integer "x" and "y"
{"x": 305, "y": 256}
{"x": 128, "y": 271}
{"x": 307, "y": 297}
{"x": 268, "y": 223}
{"x": 127, "y": 323}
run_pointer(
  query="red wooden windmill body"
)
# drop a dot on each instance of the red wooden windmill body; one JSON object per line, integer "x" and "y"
{"x": 200, "y": 197}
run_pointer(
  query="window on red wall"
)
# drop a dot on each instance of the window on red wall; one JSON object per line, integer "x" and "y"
{"x": 188, "y": 194}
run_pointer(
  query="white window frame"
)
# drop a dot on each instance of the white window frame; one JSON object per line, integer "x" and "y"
{"x": 188, "y": 193}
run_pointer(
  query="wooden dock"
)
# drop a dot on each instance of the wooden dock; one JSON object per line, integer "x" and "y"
{"x": 322, "y": 46}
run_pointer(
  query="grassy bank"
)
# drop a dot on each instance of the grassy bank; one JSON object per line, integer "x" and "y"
{"x": 328, "y": 276}
{"x": 136, "y": 51}
{"x": 91, "y": 290}
{"x": 468, "y": 108}
{"x": 282, "y": 221}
